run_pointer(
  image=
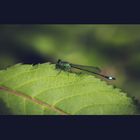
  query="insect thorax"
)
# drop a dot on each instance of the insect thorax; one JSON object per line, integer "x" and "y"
{"x": 66, "y": 66}
{"x": 63, "y": 65}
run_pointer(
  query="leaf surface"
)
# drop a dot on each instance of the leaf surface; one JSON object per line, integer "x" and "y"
{"x": 41, "y": 89}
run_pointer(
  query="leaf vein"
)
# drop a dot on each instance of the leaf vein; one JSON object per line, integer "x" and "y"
{"x": 11, "y": 91}
{"x": 90, "y": 105}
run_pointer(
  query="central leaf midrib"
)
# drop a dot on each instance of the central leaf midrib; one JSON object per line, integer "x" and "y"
{"x": 17, "y": 93}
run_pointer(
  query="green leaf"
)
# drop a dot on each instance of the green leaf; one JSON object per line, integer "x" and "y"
{"x": 41, "y": 89}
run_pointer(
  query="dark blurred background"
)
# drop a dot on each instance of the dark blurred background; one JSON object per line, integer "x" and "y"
{"x": 113, "y": 48}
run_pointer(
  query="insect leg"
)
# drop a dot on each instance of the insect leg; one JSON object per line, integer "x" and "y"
{"x": 59, "y": 71}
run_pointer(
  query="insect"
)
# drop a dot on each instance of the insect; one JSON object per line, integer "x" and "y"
{"x": 66, "y": 66}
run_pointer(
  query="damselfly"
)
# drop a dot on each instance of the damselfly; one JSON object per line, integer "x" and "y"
{"x": 66, "y": 66}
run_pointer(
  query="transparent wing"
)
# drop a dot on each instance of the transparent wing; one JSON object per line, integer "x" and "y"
{"x": 87, "y": 68}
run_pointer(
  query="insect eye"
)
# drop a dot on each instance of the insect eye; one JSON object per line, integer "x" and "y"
{"x": 59, "y": 60}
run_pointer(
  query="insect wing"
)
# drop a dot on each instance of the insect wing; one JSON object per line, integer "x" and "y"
{"x": 89, "y": 68}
